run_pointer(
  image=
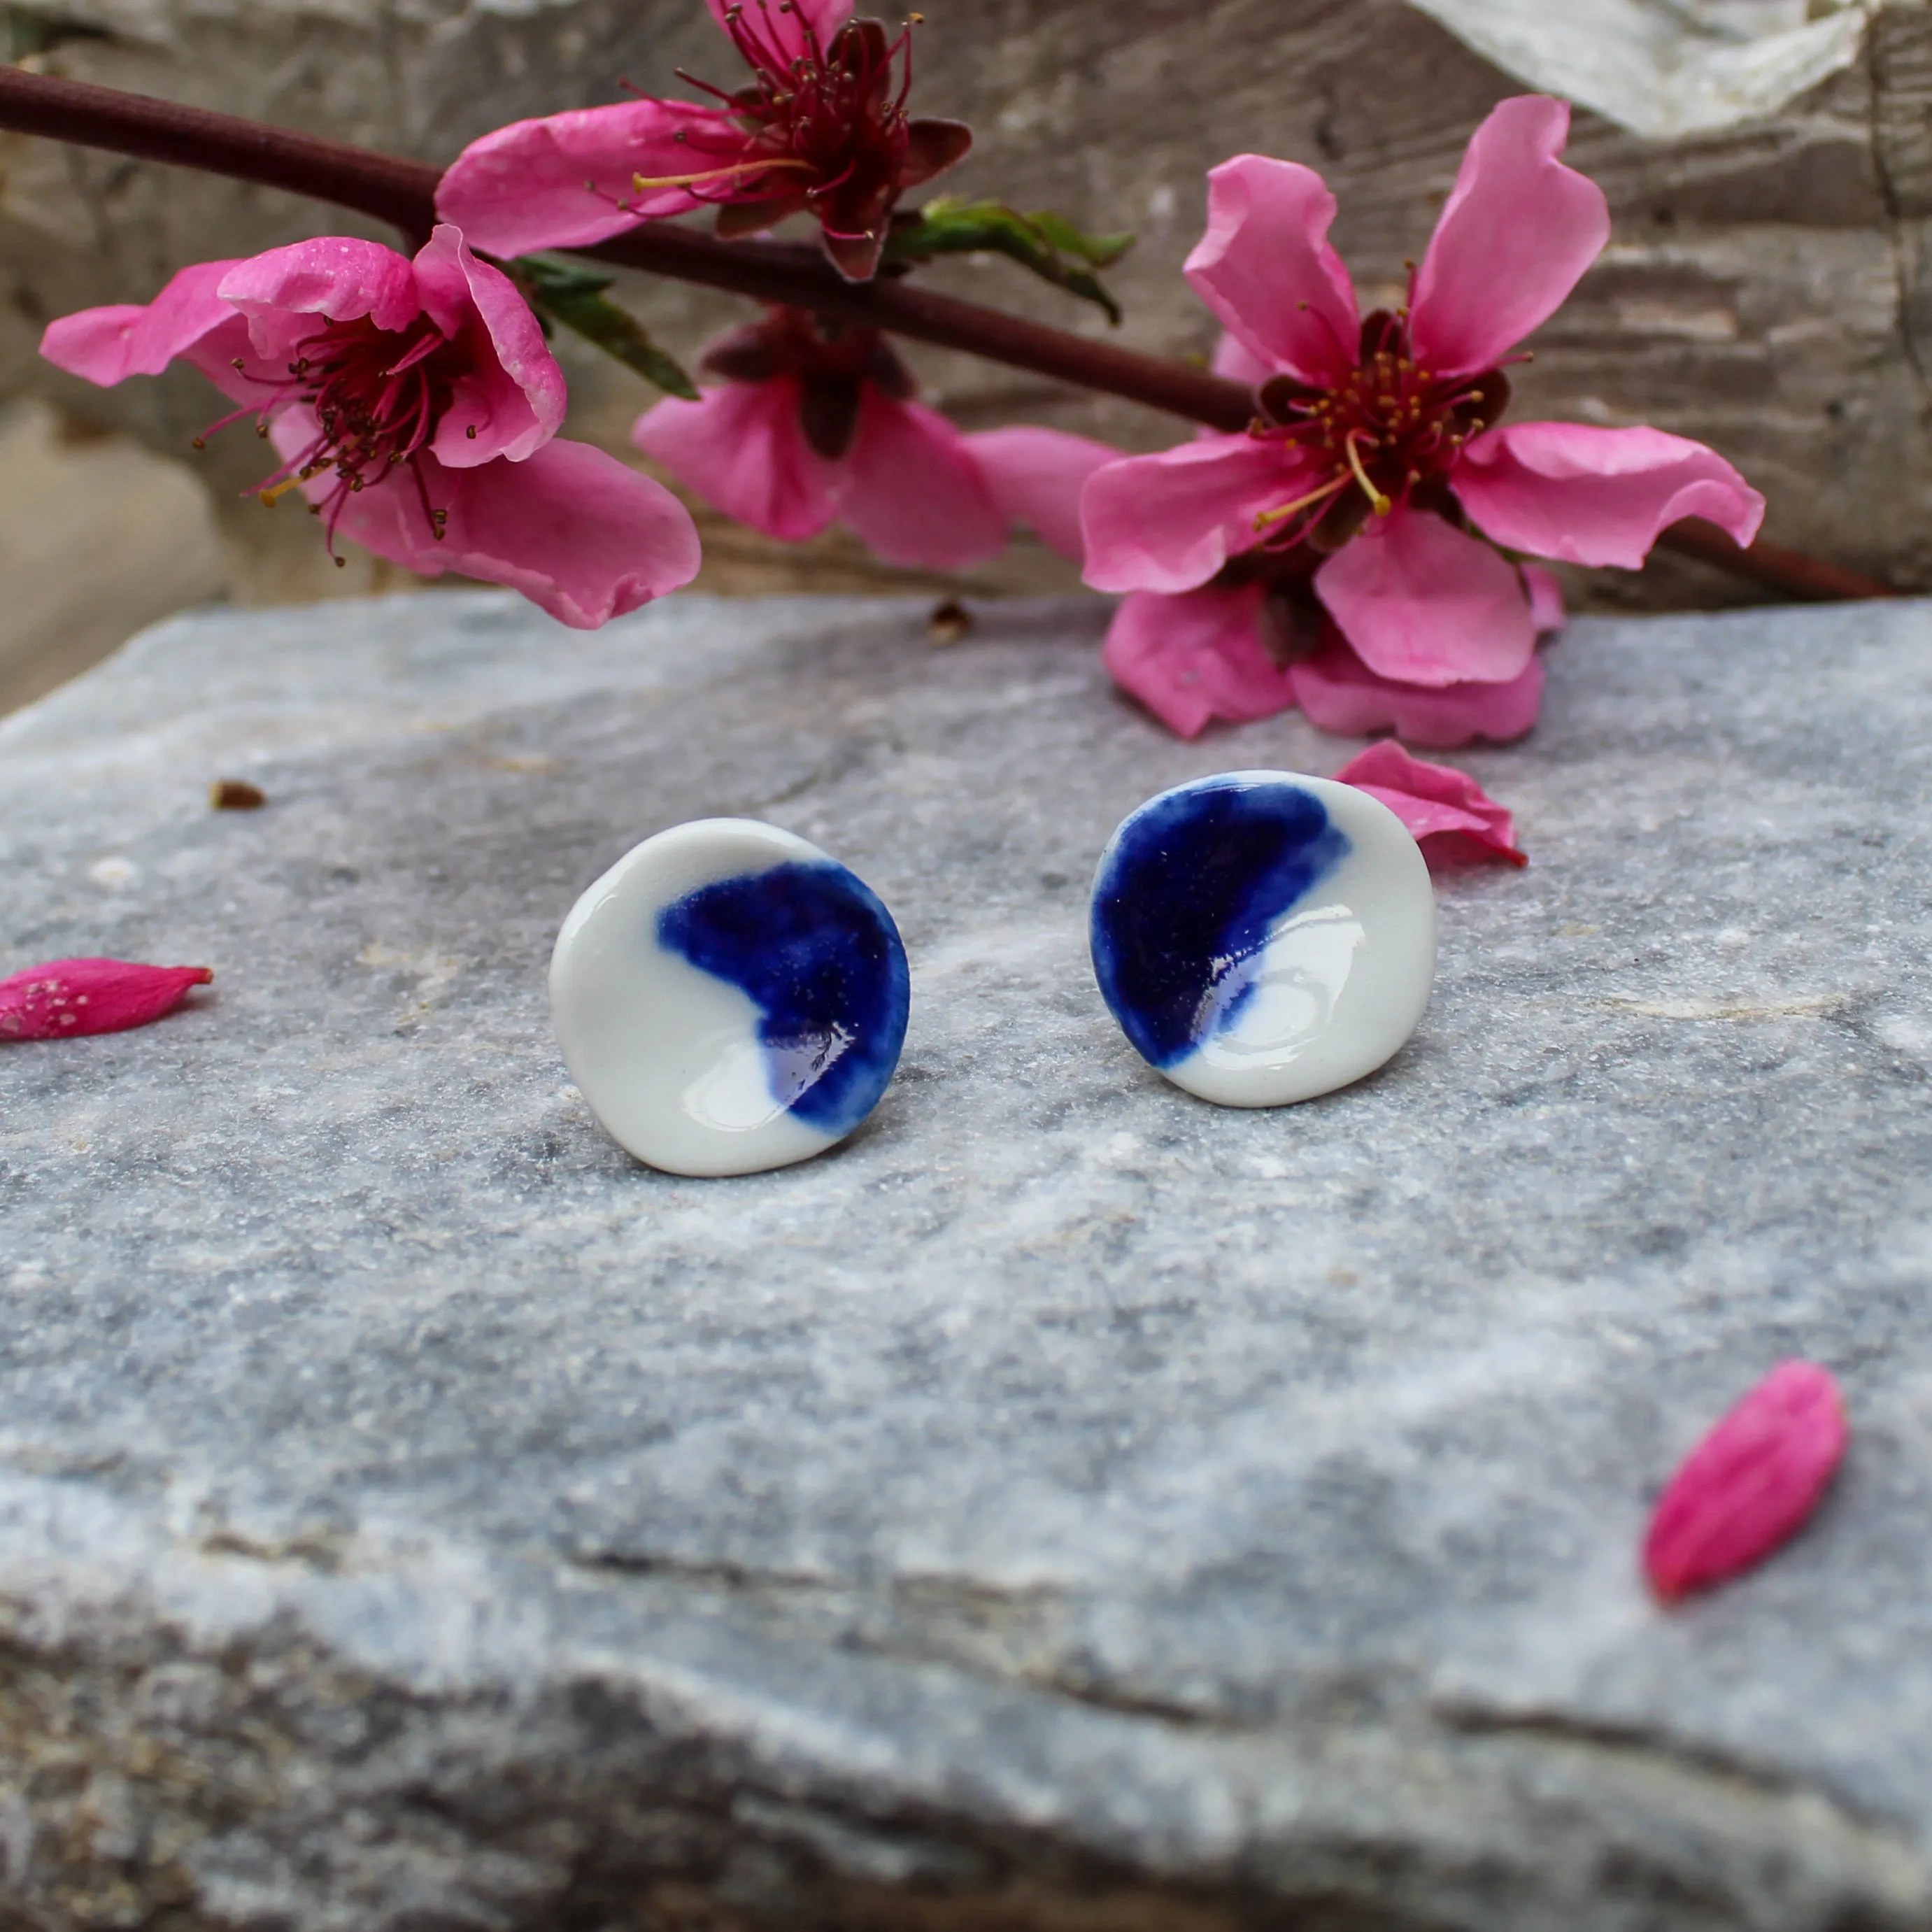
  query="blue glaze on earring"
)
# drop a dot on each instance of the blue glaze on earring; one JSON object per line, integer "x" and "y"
{"x": 817, "y": 954}
{"x": 1189, "y": 891}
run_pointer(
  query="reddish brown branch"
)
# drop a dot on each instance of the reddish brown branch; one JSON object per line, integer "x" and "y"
{"x": 403, "y": 193}
{"x": 779, "y": 271}
{"x": 1789, "y": 570}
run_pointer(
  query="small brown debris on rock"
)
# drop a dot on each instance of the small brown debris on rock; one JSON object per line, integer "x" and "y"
{"x": 950, "y": 622}
{"x": 236, "y": 795}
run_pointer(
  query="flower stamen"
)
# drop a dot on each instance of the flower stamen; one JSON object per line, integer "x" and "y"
{"x": 644, "y": 183}
{"x": 1328, "y": 489}
{"x": 1378, "y": 502}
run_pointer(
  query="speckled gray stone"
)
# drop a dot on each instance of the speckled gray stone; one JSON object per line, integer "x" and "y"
{"x": 1067, "y": 1505}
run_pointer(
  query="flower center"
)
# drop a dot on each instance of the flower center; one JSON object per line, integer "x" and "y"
{"x": 831, "y": 117}
{"x": 377, "y": 395}
{"x": 1390, "y": 430}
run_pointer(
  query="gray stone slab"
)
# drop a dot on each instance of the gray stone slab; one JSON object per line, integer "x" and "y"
{"x": 1068, "y": 1504}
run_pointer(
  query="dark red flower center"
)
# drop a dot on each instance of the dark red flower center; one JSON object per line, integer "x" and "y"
{"x": 1389, "y": 432}
{"x": 377, "y": 395}
{"x": 823, "y": 129}
{"x": 831, "y": 117}
{"x": 837, "y": 113}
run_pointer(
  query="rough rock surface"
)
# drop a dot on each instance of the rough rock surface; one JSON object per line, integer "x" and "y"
{"x": 1067, "y": 1505}
{"x": 1766, "y": 291}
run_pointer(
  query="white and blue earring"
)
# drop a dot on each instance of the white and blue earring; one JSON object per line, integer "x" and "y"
{"x": 728, "y": 998}
{"x": 1263, "y": 937}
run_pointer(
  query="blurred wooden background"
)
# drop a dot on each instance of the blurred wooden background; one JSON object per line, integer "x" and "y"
{"x": 1768, "y": 289}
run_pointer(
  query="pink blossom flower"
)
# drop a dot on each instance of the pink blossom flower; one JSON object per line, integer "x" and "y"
{"x": 811, "y": 425}
{"x": 822, "y": 127}
{"x": 1751, "y": 1484}
{"x": 1375, "y": 469}
{"x": 1448, "y": 815}
{"x": 67, "y": 997}
{"x": 416, "y": 406}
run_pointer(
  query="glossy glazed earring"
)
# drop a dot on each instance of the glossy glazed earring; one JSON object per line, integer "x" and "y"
{"x": 729, "y": 999}
{"x": 1263, "y": 937}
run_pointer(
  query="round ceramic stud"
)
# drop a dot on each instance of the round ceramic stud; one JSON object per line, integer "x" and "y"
{"x": 1263, "y": 937}
{"x": 729, "y": 999}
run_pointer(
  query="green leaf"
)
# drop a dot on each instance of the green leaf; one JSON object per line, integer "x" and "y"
{"x": 573, "y": 292}
{"x": 1101, "y": 251}
{"x": 1048, "y": 244}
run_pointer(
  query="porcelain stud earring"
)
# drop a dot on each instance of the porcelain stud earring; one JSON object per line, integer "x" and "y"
{"x": 1263, "y": 937}
{"x": 729, "y": 999}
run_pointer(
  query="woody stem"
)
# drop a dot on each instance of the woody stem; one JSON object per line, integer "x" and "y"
{"x": 402, "y": 193}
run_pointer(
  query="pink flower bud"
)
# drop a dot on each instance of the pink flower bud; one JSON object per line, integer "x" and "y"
{"x": 69, "y": 997}
{"x": 1750, "y": 1484}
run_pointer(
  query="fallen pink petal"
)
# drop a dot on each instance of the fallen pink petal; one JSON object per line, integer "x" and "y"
{"x": 1448, "y": 813}
{"x": 67, "y": 997}
{"x": 1750, "y": 1485}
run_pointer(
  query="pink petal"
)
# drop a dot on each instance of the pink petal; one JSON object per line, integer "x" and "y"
{"x": 1193, "y": 659}
{"x": 513, "y": 399}
{"x": 1441, "y": 806}
{"x": 1546, "y": 600}
{"x": 576, "y": 531}
{"x": 108, "y": 345}
{"x": 1586, "y": 495}
{"x": 1517, "y": 232}
{"x": 68, "y": 997}
{"x": 1750, "y": 1484}
{"x": 556, "y": 182}
{"x": 1037, "y": 476}
{"x": 573, "y": 530}
{"x": 912, "y": 489}
{"x": 1424, "y": 604}
{"x": 216, "y": 354}
{"x": 1169, "y": 522}
{"x": 782, "y": 27}
{"x": 1340, "y": 694}
{"x": 741, "y": 449}
{"x": 1234, "y": 359}
{"x": 439, "y": 269}
{"x": 336, "y": 277}
{"x": 1265, "y": 267}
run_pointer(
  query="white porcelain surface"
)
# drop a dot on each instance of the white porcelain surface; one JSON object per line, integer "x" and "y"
{"x": 1263, "y": 937}
{"x": 771, "y": 1052}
